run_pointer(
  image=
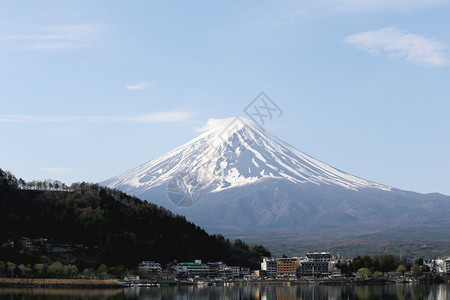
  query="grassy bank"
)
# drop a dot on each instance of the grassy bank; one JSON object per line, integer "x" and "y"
{"x": 42, "y": 282}
{"x": 69, "y": 293}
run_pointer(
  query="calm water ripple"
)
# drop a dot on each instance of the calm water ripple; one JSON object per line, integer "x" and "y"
{"x": 319, "y": 292}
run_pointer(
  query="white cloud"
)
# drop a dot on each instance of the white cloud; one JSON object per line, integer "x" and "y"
{"x": 215, "y": 123}
{"x": 154, "y": 117}
{"x": 273, "y": 19}
{"x": 52, "y": 45}
{"x": 140, "y": 86}
{"x": 399, "y": 44}
{"x": 71, "y": 132}
{"x": 163, "y": 117}
{"x": 78, "y": 32}
{"x": 350, "y": 6}
{"x": 57, "y": 37}
{"x": 58, "y": 170}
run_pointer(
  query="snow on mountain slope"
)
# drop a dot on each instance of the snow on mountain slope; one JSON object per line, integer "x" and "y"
{"x": 235, "y": 153}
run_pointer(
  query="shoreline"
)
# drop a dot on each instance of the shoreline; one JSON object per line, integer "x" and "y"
{"x": 116, "y": 284}
{"x": 60, "y": 283}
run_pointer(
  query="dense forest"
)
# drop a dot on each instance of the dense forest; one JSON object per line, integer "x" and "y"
{"x": 94, "y": 225}
{"x": 375, "y": 266}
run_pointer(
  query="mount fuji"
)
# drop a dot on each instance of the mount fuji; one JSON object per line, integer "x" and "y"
{"x": 237, "y": 178}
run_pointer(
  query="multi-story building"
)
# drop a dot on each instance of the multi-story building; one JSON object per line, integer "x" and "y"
{"x": 316, "y": 264}
{"x": 287, "y": 267}
{"x": 311, "y": 268}
{"x": 318, "y": 256}
{"x": 225, "y": 272}
{"x": 150, "y": 266}
{"x": 269, "y": 266}
{"x": 236, "y": 271}
{"x": 219, "y": 269}
{"x": 245, "y": 271}
{"x": 195, "y": 269}
{"x": 447, "y": 265}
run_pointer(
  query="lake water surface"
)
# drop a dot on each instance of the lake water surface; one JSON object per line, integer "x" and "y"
{"x": 395, "y": 291}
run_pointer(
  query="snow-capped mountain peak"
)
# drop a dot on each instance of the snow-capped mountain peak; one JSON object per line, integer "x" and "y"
{"x": 231, "y": 153}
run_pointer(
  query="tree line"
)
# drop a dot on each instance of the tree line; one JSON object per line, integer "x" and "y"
{"x": 8, "y": 179}
{"x": 374, "y": 266}
{"x": 58, "y": 270}
{"x": 111, "y": 227}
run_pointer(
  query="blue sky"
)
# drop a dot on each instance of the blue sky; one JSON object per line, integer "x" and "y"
{"x": 90, "y": 89}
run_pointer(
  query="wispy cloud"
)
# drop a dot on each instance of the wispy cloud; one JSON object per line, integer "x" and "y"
{"x": 273, "y": 19}
{"x": 154, "y": 117}
{"x": 63, "y": 131}
{"x": 225, "y": 122}
{"x": 163, "y": 117}
{"x": 140, "y": 86}
{"x": 399, "y": 44}
{"x": 57, "y": 37}
{"x": 354, "y": 6}
{"x": 58, "y": 170}
{"x": 214, "y": 123}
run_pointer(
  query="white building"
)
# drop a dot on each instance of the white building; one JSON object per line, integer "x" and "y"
{"x": 447, "y": 265}
{"x": 269, "y": 265}
{"x": 195, "y": 269}
{"x": 236, "y": 271}
{"x": 315, "y": 264}
{"x": 150, "y": 266}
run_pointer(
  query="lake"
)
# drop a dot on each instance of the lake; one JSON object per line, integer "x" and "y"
{"x": 354, "y": 292}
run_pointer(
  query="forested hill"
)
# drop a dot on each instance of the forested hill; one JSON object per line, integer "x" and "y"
{"x": 107, "y": 226}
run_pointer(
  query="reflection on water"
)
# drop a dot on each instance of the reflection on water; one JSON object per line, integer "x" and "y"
{"x": 319, "y": 292}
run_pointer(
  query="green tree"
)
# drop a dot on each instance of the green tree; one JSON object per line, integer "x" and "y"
{"x": 10, "y": 267}
{"x": 2, "y": 267}
{"x": 238, "y": 243}
{"x": 386, "y": 262}
{"x": 377, "y": 274}
{"x": 258, "y": 251}
{"x": 71, "y": 270}
{"x": 425, "y": 268}
{"x": 39, "y": 269}
{"x": 26, "y": 269}
{"x": 102, "y": 271}
{"x": 117, "y": 271}
{"x": 357, "y": 263}
{"x": 416, "y": 270}
{"x": 56, "y": 269}
{"x": 401, "y": 269}
{"x": 87, "y": 272}
{"x": 368, "y": 263}
{"x": 364, "y": 273}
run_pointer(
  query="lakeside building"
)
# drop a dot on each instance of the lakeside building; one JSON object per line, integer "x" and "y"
{"x": 132, "y": 278}
{"x": 269, "y": 267}
{"x": 315, "y": 264}
{"x": 220, "y": 270}
{"x": 191, "y": 269}
{"x": 287, "y": 267}
{"x": 245, "y": 271}
{"x": 318, "y": 256}
{"x": 447, "y": 265}
{"x": 235, "y": 271}
{"x": 217, "y": 269}
{"x": 150, "y": 266}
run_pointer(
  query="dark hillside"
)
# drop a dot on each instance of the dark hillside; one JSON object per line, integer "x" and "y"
{"x": 102, "y": 225}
